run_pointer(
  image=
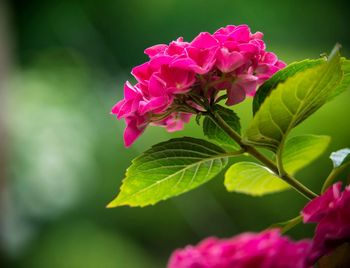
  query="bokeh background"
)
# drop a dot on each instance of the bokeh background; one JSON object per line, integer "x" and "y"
{"x": 62, "y": 67}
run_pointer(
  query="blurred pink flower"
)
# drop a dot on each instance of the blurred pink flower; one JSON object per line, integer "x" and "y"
{"x": 332, "y": 213}
{"x": 231, "y": 59}
{"x": 249, "y": 250}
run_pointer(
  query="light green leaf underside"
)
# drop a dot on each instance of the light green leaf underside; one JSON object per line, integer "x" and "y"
{"x": 253, "y": 179}
{"x": 345, "y": 83}
{"x": 169, "y": 169}
{"x": 256, "y": 180}
{"x": 340, "y": 157}
{"x": 300, "y": 151}
{"x": 214, "y": 132}
{"x": 292, "y": 102}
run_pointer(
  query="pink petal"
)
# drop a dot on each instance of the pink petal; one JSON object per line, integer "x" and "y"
{"x": 176, "y": 121}
{"x": 123, "y": 108}
{"x": 177, "y": 47}
{"x": 184, "y": 63}
{"x": 241, "y": 33}
{"x": 156, "y": 86}
{"x": 134, "y": 128}
{"x": 228, "y": 61}
{"x": 259, "y": 43}
{"x": 316, "y": 208}
{"x": 248, "y": 49}
{"x": 204, "y": 40}
{"x": 235, "y": 94}
{"x": 177, "y": 80}
{"x": 204, "y": 58}
{"x": 157, "y": 61}
{"x": 129, "y": 91}
{"x": 248, "y": 82}
{"x": 257, "y": 35}
{"x": 225, "y": 30}
{"x": 280, "y": 64}
{"x": 270, "y": 58}
{"x": 156, "y": 105}
{"x": 142, "y": 72}
{"x": 118, "y": 107}
{"x": 155, "y": 50}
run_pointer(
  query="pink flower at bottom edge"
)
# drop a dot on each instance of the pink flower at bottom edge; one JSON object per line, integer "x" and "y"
{"x": 332, "y": 213}
{"x": 259, "y": 250}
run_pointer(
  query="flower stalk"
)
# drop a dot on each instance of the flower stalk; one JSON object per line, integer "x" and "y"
{"x": 331, "y": 177}
{"x": 299, "y": 187}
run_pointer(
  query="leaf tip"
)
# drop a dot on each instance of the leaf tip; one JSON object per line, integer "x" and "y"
{"x": 111, "y": 205}
{"x": 115, "y": 203}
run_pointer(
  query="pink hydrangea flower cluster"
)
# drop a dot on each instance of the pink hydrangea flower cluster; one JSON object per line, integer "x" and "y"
{"x": 263, "y": 250}
{"x": 232, "y": 59}
{"x": 332, "y": 213}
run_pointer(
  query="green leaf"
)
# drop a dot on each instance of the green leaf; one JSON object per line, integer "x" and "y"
{"x": 281, "y": 76}
{"x": 340, "y": 157}
{"x": 293, "y": 68}
{"x": 300, "y": 151}
{"x": 292, "y": 102}
{"x": 253, "y": 179}
{"x": 168, "y": 169}
{"x": 214, "y": 132}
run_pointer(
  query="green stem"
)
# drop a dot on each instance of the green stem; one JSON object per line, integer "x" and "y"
{"x": 287, "y": 225}
{"x": 259, "y": 156}
{"x": 331, "y": 177}
{"x": 292, "y": 223}
{"x": 279, "y": 162}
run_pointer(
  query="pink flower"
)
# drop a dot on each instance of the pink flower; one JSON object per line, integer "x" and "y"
{"x": 332, "y": 213}
{"x": 232, "y": 59}
{"x": 263, "y": 250}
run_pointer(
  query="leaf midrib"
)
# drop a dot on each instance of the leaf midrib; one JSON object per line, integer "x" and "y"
{"x": 213, "y": 158}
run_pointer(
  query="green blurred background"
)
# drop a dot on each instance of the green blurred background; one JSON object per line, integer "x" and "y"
{"x": 62, "y": 67}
